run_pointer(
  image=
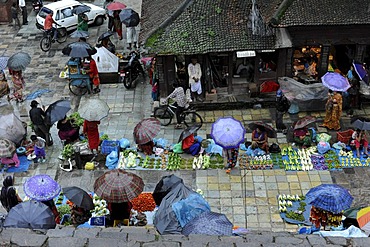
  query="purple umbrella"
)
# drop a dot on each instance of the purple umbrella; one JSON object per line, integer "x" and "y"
{"x": 361, "y": 72}
{"x": 228, "y": 132}
{"x": 335, "y": 82}
{"x": 41, "y": 187}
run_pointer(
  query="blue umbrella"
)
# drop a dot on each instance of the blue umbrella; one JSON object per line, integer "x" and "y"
{"x": 228, "y": 132}
{"x": 19, "y": 61}
{"x": 57, "y": 111}
{"x": 30, "y": 214}
{"x": 335, "y": 81}
{"x": 361, "y": 72}
{"x": 3, "y": 62}
{"x": 209, "y": 223}
{"x": 41, "y": 188}
{"x": 330, "y": 197}
{"x": 79, "y": 34}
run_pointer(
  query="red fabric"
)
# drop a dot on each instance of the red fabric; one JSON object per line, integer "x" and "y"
{"x": 363, "y": 142}
{"x": 187, "y": 142}
{"x": 48, "y": 24}
{"x": 92, "y": 131}
{"x": 94, "y": 74}
{"x": 269, "y": 86}
{"x": 300, "y": 132}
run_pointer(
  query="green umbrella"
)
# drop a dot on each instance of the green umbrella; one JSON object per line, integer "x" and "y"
{"x": 352, "y": 212}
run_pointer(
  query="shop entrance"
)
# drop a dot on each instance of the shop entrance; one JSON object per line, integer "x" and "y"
{"x": 341, "y": 57}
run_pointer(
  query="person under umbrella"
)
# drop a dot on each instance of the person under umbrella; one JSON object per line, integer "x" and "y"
{"x": 93, "y": 74}
{"x": 82, "y": 204}
{"x": 91, "y": 130}
{"x": 37, "y": 116}
{"x": 117, "y": 24}
{"x": 144, "y": 132}
{"x": 82, "y": 23}
{"x": 106, "y": 42}
{"x": 9, "y": 196}
{"x": 131, "y": 19}
{"x": 56, "y": 111}
{"x": 66, "y": 131}
{"x": 18, "y": 85}
{"x": 333, "y": 111}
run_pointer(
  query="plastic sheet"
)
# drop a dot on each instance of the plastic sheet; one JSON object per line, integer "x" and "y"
{"x": 112, "y": 160}
{"x": 308, "y": 97}
{"x": 106, "y": 61}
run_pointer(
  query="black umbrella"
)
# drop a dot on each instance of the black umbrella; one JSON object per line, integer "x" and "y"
{"x": 164, "y": 186}
{"x": 19, "y": 61}
{"x": 57, "y": 111}
{"x": 79, "y": 197}
{"x": 209, "y": 223}
{"x": 79, "y": 49}
{"x": 81, "y": 9}
{"x": 129, "y": 17}
{"x": 269, "y": 130}
{"x": 105, "y": 35}
{"x": 188, "y": 131}
{"x": 30, "y": 214}
{"x": 79, "y": 34}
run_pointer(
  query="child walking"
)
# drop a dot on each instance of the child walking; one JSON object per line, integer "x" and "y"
{"x": 39, "y": 148}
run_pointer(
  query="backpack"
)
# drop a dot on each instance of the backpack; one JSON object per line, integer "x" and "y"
{"x": 283, "y": 104}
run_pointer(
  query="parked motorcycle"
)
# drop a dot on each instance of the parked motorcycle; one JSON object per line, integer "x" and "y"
{"x": 37, "y": 5}
{"x": 130, "y": 69}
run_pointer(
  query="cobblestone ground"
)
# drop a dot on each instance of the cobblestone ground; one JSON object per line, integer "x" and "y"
{"x": 255, "y": 207}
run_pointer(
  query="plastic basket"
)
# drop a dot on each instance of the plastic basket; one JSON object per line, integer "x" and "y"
{"x": 108, "y": 146}
{"x": 345, "y": 136}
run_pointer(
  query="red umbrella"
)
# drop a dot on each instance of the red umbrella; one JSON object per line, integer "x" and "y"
{"x": 117, "y": 186}
{"x": 146, "y": 130}
{"x": 303, "y": 122}
{"x": 116, "y": 6}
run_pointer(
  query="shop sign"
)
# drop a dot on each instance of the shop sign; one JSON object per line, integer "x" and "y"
{"x": 268, "y": 51}
{"x": 245, "y": 53}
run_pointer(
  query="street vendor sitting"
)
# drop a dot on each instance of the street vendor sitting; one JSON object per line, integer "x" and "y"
{"x": 119, "y": 212}
{"x": 190, "y": 145}
{"x": 146, "y": 148}
{"x": 67, "y": 132}
{"x": 10, "y": 161}
{"x": 79, "y": 215}
{"x": 302, "y": 137}
{"x": 260, "y": 139}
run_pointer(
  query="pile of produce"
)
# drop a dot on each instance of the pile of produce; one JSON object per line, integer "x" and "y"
{"x": 332, "y": 160}
{"x": 174, "y": 162}
{"x": 144, "y": 202}
{"x": 59, "y": 199}
{"x": 318, "y": 162}
{"x": 68, "y": 151}
{"x": 347, "y": 160}
{"x": 320, "y": 217}
{"x": 288, "y": 201}
{"x": 202, "y": 162}
{"x": 298, "y": 160}
{"x": 100, "y": 207}
{"x": 256, "y": 162}
{"x": 76, "y": 120}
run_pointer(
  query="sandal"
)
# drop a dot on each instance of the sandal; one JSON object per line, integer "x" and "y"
{"x": 178, "y": 126}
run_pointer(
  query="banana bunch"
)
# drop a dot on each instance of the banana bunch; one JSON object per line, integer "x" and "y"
{"x": 345, "y": 154}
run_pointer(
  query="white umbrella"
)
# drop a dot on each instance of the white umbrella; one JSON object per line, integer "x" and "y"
{"x": 93, "y": 110}
{"x": 11, "y": 128}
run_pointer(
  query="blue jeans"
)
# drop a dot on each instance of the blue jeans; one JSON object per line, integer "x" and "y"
{"x": 53, "y": 32}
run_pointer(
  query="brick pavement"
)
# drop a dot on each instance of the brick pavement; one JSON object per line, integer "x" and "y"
{"x": 224, "y": 192}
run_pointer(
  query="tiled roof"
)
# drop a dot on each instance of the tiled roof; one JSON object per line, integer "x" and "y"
{"x": 212, "y": 26}
{"x": 326, "y": 12}
{"x": 154, "y": 13}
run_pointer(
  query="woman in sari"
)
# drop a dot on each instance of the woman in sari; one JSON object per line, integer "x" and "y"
{"x": 18, "y": 85}
{"x": 333, "y": 111}
{"x": 260, "y": 139}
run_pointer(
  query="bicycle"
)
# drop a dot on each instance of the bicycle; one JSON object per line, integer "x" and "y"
{"x": 165, "y": 114}
{"x": 47, "y": 40}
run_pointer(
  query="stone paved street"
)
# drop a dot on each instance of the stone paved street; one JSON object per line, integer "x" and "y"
{"x": 254, "y": 207}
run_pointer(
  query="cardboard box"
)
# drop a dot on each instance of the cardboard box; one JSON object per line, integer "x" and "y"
{"x": 211, "y": 96}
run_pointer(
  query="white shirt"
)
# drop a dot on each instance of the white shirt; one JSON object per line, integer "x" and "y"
{"x": 21, "y": 3}
{"x": 194, "y": 71}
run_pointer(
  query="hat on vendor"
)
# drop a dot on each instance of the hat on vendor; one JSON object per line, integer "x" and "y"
{"x": 34, "y": 103}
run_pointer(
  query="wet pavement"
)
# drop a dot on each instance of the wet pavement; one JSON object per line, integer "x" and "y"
{"x": 254, "y": 207}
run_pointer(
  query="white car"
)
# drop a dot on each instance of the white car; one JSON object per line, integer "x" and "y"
{"x": 62, "y": 14}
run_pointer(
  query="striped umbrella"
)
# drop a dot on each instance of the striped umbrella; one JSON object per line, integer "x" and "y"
{"x": 330, "y": 197}
{"x": 117, "y": 186}
{"x": 363, "y": 219}
{"x": 146, "y": 130}
{"x": 7, "y": 148}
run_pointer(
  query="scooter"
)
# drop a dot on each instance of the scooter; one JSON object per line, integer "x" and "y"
{"x": 130, "y": 69}
{"x": 37, "y": 5}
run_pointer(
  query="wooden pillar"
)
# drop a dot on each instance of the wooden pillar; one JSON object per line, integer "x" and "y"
{"x": 230, "y": 72}
{"x": 324, "y": 60}
{"x": 288, "y": 62}
{"x": 281, "y": 63}
{"x": 166, "y": 74}
{"x": 360, "y": 53}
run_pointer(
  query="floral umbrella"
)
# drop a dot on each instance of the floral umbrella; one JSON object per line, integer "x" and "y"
{"x": 228, "y": 132}
{"x": 118, "y": 186}
{"x": 41, "y": 188}
{"x": 335, "y": 81}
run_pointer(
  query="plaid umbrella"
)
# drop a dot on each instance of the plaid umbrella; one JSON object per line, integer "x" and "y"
{"x": 228, "y": 132}
{"x": 93, "y": 110}
{"x": 3, "y": 62}
{"x": 335, "y": 81}
{"x": 146, "y": 130}
{"x": 7, "y": 148}
{"x": 209, "y": 223}
{"x": 118, "y": 186}
{"x": 41, "y": 188}
{"x": 303, "y": 122}
{"x": 116, "y": 6}
{"x": 19, "y": 61}
{"x": 269, "y": 130}
{"x": 330, "y": 197}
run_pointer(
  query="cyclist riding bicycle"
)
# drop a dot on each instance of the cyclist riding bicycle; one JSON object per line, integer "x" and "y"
{"x": 48, "y": 26}
{"x": 181, "y": 102}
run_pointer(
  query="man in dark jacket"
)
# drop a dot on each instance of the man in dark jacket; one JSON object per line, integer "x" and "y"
{"x": 282, "y": 106}
{"x": 37, "y": 116}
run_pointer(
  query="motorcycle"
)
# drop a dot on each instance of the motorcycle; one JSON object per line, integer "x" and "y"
{"x": 130, "y": 69}
{"x": 37, "y": 5}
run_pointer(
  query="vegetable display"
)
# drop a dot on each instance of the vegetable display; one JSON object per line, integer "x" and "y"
{"x": 144, "y": 202}
{"x": 254, "y": 163}
{"x": 67, "y": 151}
{"x": 100, "y": 207}
{"x": 298, "y": 159}
{"x": 76, "y": 120}
{"x": 287, "y": 201}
